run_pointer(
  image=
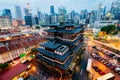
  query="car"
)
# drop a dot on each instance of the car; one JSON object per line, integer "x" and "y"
{"x": 93, "y": 55}
{"x": 111, "y": 55}
{"x": 101, "y": 72}
{"x": 117, "y": 69}
{"x": 93, "y": 46}
{"x": 119, "y": 73}
{"x": 96, "y": 69}
{"x": 118, "y": 58}
{"x": 106, "y": 62}
{"x": 102, "y": 60}
{"x": 112, "y": 67}
{"x": 97, "y": 57}
{"x": 106, "y": 52}
{"x": 115, "y": 57}
{"x": 102, "y": 50}
{"x": 109, "y": 65}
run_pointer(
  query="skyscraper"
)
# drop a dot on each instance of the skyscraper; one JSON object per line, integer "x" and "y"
{"x": 52, "y": 10}
{"x": 101, "y": 12}
{"x": 35, "y": 20}
{"x": 28, "y": 20}
{"x": 83, "y": 14}
{"x": 28, "y": 10}
{"x": 62, "y": 13}
{"x": 115, "y": 9}
{"x": 18, "y": 12}
{"x": 62, "y": 10}
{"x": 38, "y": 13}
{"x": 28, "y": 15}
{"x": 7, "y": 13}
{"x": 93, "y": 16}
{"x": 72, "y": 14}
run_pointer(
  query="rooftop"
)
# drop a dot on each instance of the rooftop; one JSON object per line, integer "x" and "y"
{"x": 62, "y": 48}
{"x": 65, "y": 31}
{"x": 10, "y": 73}
{"x": 19, "y": 42}
{"x": 51, "y": 45}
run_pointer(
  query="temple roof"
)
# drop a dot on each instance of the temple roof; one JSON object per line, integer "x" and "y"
{"x": 65, "y": 31}
{"x": 51, "y": 45}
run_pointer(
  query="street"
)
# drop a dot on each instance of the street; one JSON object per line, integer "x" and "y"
{"x": 40, "y": 74}
{"x": 80, "y": 69}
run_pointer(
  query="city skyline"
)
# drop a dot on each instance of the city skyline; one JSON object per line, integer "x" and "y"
{"x": 44, "y": 6}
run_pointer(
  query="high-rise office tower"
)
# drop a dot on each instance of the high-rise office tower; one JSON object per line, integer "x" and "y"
{"x": 62, "y": 13}
{"x": 115, "y": 9}
{"x": 7, "y": 13}
{"x": 35, "y": 20}
{"x": 18, "y": 12}
{"x": 72, "y": 14}
{"x": 28, "y": 15}
{"x": 93, "y": 16}
{"x": 28, "y": 10}
{"x": 62, "y": 10}
{"x": 38, "y": 13}
{"x": 83, "y": 14}
{"x": 52, "y": 10}
{"x": 101, "y": 13}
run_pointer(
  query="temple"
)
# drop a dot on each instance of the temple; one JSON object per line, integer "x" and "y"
{"x": 62, "y": 48}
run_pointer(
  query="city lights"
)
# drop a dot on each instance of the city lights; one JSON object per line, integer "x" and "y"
{"x": 60, "y": 40}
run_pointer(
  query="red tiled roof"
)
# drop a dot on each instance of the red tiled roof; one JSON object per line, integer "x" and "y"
{"x": 18, "y": 43}
{"x": 24, "y": 42}
{"x": 1, "y": 39}
{"x": 21, "y": 42}
{"x": 10, "y": 73}
{"x": 11, "y": 45}
{"x": 29, "y": 40}
{"x": 3, "y": 49}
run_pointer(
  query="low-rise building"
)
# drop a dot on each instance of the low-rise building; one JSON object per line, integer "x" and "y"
{"x": 17, "y": 22}
{"x": 12, "y": 47}
{"x": 4, "y": 22}
{"x": 99, "y": 24}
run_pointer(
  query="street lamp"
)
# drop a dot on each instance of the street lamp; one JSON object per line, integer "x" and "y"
{"x": 7, "y": 38}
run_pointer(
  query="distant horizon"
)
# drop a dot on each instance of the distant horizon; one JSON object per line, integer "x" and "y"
{"x": 44, "y": 6}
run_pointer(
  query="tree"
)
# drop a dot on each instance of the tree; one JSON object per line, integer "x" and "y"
{"x": 4, "y": 65}
{"x": 110, "y": 29}
{"x": 34, "y": 50}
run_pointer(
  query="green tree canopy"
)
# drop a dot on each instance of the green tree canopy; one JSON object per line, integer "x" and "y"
{"x": 34, "y": 50}
{"x": 110, "y": 29}
{"x": 4, "y": 65}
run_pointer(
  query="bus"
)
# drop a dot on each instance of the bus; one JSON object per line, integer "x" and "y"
{"x": 89, "y": 64}
{"x": 108, "y": 76}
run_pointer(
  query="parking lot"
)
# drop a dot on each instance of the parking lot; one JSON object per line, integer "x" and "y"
{"x": 105, "y": 62}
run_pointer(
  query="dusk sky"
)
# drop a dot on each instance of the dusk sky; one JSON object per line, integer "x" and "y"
{"x": 77, "y": 5}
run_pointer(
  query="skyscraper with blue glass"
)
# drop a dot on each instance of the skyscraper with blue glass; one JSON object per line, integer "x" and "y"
{"x": 52, "y": 10}
{"x": 7, "y": 13}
